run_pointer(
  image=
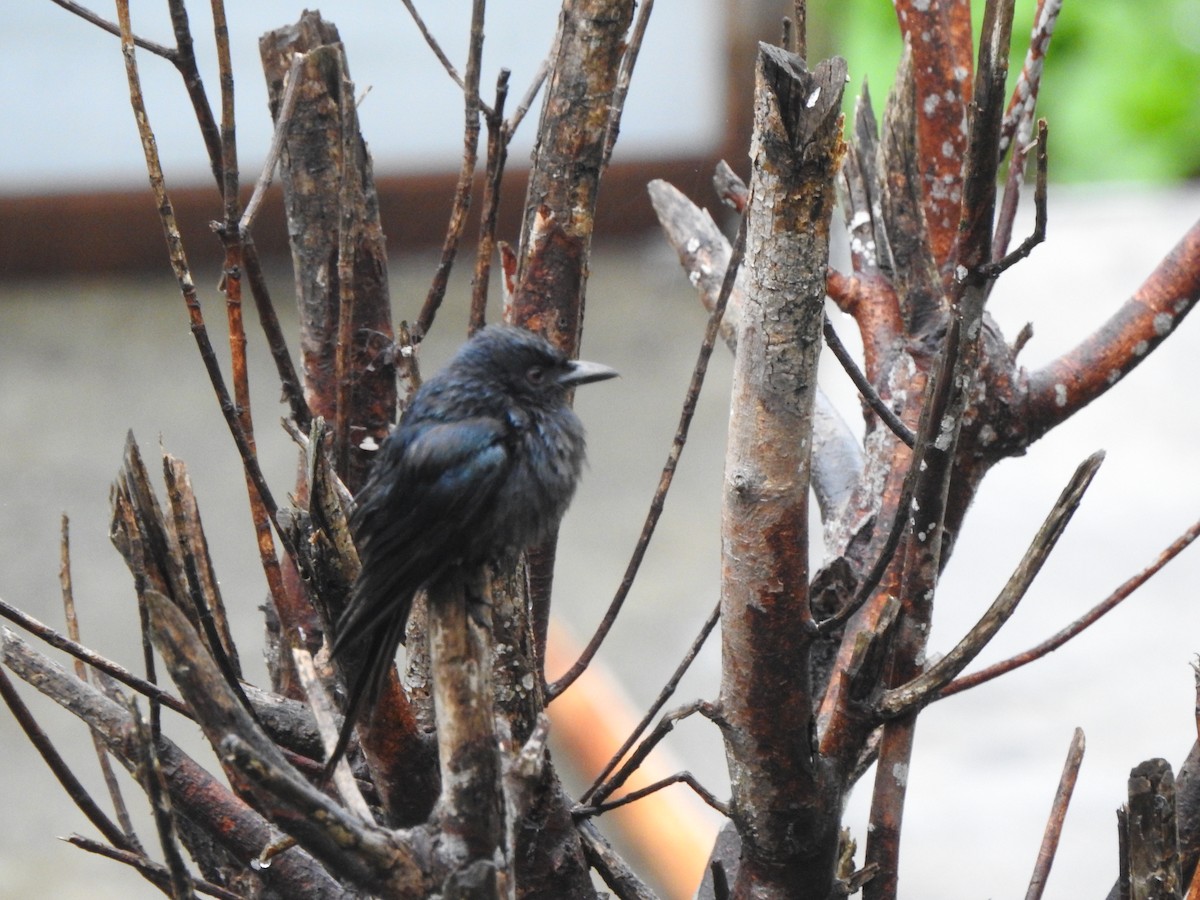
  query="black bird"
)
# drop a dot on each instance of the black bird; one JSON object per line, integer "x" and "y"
{"x": 482, "y": 465}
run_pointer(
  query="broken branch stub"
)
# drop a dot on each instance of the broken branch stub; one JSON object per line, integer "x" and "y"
{"x": 323, "y": 128}
{"x": 781, "y": 790}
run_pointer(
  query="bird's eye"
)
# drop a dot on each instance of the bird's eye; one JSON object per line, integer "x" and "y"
{"x": 535, "y": 375}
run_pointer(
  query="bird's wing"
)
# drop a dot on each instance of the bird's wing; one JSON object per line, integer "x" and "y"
{"x": 417, "y": 513}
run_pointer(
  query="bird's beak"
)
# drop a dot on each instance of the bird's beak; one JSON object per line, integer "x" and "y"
{"x": 582, "y": 372}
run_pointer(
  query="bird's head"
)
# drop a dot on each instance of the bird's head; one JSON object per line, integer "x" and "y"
{"x": 528, "y": 365}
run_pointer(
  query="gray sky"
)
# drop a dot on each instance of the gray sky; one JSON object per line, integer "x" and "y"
{"x": 65, "y": 91}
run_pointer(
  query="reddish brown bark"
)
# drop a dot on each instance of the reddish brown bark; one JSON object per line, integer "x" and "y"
{"x": 1069, "y": 383}
{"x": 939, "y": 35}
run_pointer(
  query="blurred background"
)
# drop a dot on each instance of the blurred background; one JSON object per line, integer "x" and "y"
{"x": 94, "y": 342}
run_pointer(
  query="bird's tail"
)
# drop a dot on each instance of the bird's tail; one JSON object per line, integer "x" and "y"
{"x": 374, "y": 663}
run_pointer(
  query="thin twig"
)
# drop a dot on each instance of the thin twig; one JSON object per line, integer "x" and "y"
{"x": 610, "y": 866}
{"x": 289, "y": 381}
{"x": 189, "y": 70}
{"x": 664, "y": 727}
{"x": 95, "y": 660}
{"x": 466, "y": 173}
{"x": 185, "y": 63}
{"x": 663, "y": 696}
{"x": 1017, "y": 128}
{"x": 497, "y": 155}
{"x": 229, "y": 161}
{"x": 679, "y": 777}
{"x": 1058, "y": 813}
{"x": 865, "y": 389}
{"x": 1089, "y": 618}
{"x": 183, "y": 273}
{"x": 154, "y": 783}
{"x": 668, "y": 472}
{"x": 231, "y": 282}
{"x": 1024, "y": 96}
{"x": 168, "y": 53}
{"x": 74, "y": 788}
{"x": 920, "y": 690}
{"x": 81, "y": 671}
{"x": 535, "y": 85}
{"x": 992, "y": 270}
{"x": 800, "y": 28}
{"x": 437, "y": 49}
{"x": 155, "y": 872}
{"x": 982, "y": 156}
{"x": 286, "y": 106}
{"x": 632, "y": 47}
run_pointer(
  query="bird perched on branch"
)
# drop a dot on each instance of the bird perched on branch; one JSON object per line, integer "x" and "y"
{"x": 482, "y": 465}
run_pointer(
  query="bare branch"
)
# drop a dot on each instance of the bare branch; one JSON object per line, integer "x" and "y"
{"x": 1017, "y": 128}
{"x": 704, "y": 255}
{"x": 982, "y": 155}
{"x": 766, "y": 619}
{"x": 703, "y": 251}
{"x": 633, "y": 46}
{"x": 925, "y": 686}
{"x": 800, "y": 28}
{"x": 535, "y": 85}
{"x": 1152, "y": 839}
{"x": 204, "y": 800}
{"x": 497, "y": 156}
{"x": 939, "y": 35}
{"x": 678, "y": 778}
{"x": 57, "y": 765}
{"x": 283, "y": 119}
{"x": 182, "y": 270}
{"x": 600, "y": 790}
{"x": 433, "y": 44}
{"x": 615, "y": 872}
{"x": 1053, "y": 643}
{"x": 598, "y": 785}
{"x": 258, "y": 768}
{"x": 167, "y": 53}
{"x": 470, "y": 809}
{"x": 1069, "y": 383}
{"x": 865, "y": 390}
{"x": 152, "y": 871}
{"x": 198, "y": 565}
{"x": 1058, "y": 813}
{"x": 81, "y": 672}
{"x": 993, "y": 270}
{"x": 95, "y": 660}
{"x": 154, "y": 783}
{"x": 909, "y": 257}
{"x": 730, "y": 187}
{"x": 466, "y": 174}
{"x": 318, "y": 184}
